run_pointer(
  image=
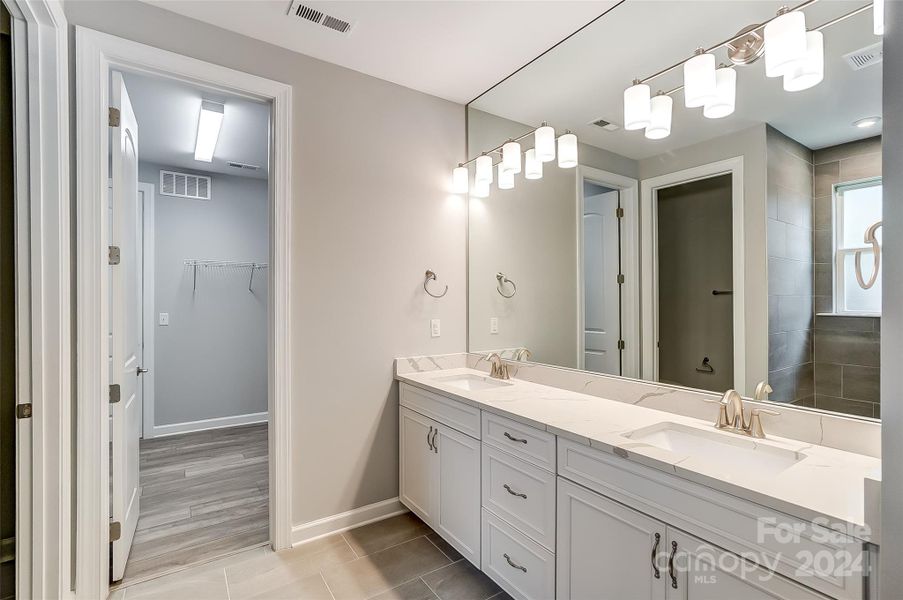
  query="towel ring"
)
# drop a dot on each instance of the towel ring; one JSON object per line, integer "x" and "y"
{"x": 502, "y": 280}
{"x": 430, "y": 276}
{"x": 706, "y": 366}
{"x": 869, "y": 238}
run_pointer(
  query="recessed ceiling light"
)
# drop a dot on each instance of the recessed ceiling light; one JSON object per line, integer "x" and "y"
{"x": 867, "y": 122}
{"x": 209, "y": 123}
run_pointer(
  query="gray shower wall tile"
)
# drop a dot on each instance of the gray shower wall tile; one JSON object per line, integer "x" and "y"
{"x": 822, "y": 213}
{"x": 792, "y": 383}
{"x": 862, "y": 383}
{"x": 776, "y": 237}
{"x": 841, "y": 151}
{"x": 863, "y": 166}
{"x": 844, "y": 405}
{"x": 799, "y": 243}
{"x": 793, "y": 313}
{"x": 848, "y": 347}
{"x": 795, "y": 206}
{"x": 789, "y": 277}
{"x": 824, "y": 279}
{"x": 826, "y": 175}
{"x": 823, "y": 246}
{"x": 824, "y": 304}
{"x": 837, "y": 323}
{"x": 828, "y": 379}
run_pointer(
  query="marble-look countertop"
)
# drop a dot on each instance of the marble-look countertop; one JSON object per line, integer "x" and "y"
{"x": 826, "y": 486}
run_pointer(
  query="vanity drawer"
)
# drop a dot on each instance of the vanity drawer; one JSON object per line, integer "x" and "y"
{"x": 520, "y": 493}
{"x": 803, "y": 551}
{"x": 452, "y": 413}
{"x": 519, "y": 565}
{"x": 531, "y": 444}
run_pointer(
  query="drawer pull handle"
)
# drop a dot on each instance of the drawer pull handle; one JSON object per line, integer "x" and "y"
{"x": 435, "y": 444}
{"x": 514, "y": 439}
{"x": 671, "y": 565}
{"x": 514, "y": 564}
{"x": 513, "y": 493}
{"x": 658, "y": 538}
{"x": 428, "y": 442}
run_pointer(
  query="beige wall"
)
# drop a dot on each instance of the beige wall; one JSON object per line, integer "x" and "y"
{"x": 371, "y": 164}
{"x": 750, "y": 144}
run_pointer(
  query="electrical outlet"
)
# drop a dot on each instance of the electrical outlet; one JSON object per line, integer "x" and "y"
{"x": 493, "y": 325}
{"x": 434, "y": 328}
{"x": 163, "y": 321}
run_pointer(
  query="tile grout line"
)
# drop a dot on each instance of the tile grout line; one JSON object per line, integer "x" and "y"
{"x": 428, "y": 585}
{"x": 347, "y": 543}
{"x": 440, "y": 549}
{"x": 326, "y": 583}
{"x": 421, "y": 576}
{"x": 226, "y": 580}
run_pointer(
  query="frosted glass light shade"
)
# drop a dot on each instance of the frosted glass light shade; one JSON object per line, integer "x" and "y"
{"x": 459, "y": 180}
{"x": 545, "y": 143}
{"x": 810, "y": 70}
{"x": 209, "y": 123}
{"x": 484, "y": 170}
{"x": 725, "y": 94}
{"x": 532, "y": 165}
{"x": 506, "y": 178}
{"x": 567, "y": 151}
{"x": 785, "y": 42}
{"x": 878, "y": 16}
{"x": 660, "y": 121}
{"x": 511, "y": 157}
{"x": 636, "y": 106}
{"x": 699, "y": 80}
{"x": 480, "y": 190}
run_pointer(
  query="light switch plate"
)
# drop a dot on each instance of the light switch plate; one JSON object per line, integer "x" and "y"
{"x": 493, "y": 325}
{"x": 434, "y": 328}
{"x": 163, "y": 321}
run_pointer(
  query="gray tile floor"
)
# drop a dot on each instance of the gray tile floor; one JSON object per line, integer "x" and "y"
{"x": 396, "y": 559}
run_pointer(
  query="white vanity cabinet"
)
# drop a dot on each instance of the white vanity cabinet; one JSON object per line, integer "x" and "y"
{"x": 439, "y": 479}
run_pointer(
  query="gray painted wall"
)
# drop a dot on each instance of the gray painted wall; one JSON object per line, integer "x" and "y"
{"x": 211, "y": 360}
{"x": 372, "y": 162}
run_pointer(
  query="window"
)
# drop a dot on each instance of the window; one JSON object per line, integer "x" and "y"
{"x": 856, "y": 208}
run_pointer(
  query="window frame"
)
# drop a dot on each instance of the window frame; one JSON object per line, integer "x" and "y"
{"x": 840, "y": 252}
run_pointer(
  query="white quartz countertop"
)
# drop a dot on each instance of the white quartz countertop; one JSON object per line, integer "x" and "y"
{"x": 825, "y": 486}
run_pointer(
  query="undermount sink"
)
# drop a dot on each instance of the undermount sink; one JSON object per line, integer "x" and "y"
{"x": 721, "y": 449}
{"x": 472, "y": 382}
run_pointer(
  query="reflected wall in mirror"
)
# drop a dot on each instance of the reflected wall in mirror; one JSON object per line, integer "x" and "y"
{"x": 719, "y": 255}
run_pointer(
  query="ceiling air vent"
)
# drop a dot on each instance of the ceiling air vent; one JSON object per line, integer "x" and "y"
{"x": 247, "y": 167}
{"x": 865, "y": 57}
{"x": 319, "y": 17}
{"x": 606, "y": 125}
{"x": 183, "y": 185}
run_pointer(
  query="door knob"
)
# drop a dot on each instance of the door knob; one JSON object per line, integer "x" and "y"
{"x": 140, "y": 371}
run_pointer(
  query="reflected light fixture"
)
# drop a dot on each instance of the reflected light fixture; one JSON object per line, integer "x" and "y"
{"x": 484, "y": 169}
{"x": 725, "y": 94}
{"x": 699, "y": 79}
{"x": 532, "y": 165}
{"x": 567, "y": 150}
{"x": 511, "y": 157}
{"x": 809, "y": 70}
{"x": 636, "y": 106}
{"x": 506, "y": 178}
{"x": 660, "y": 118}
{"x": 544, "y": 143}
{"x": 785, "y": 41}
{"x": 867, "y": 122}
{"x": 480, "y": 190}
{"x": 878, "y": 15}
{"x": 460, "y": 178}
{"x": 209, "y": 123}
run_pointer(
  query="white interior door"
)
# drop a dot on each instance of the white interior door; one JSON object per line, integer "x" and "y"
{"x": 125, "y": 341}
{"x": 602, "y": 301}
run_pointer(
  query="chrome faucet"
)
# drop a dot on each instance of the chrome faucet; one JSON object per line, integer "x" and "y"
{"x": 499, "y": 368}
{"x": 522, "y": 354}
{"x": 732, "y": 417}
{"x": 762, "y": 391}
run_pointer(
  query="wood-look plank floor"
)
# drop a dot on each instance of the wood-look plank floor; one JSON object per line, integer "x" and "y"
{"x": 203, "y": 495}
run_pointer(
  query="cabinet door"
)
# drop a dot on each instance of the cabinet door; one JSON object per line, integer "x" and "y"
{"x": 701, "y": 571}
{"x": 607, "y": 551}
{"x": 458, "y": 512}
{"x": 416, "y": 464}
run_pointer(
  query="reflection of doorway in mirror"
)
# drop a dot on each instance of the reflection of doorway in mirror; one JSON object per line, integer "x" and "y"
{"x": 695, "y": 280}
{"x": 601, "y": 286}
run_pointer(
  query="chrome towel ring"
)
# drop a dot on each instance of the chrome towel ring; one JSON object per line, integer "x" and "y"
{"x": 869, "y": 238}
{"x": 502, "y": 280}
{"x": 430, "y": 276}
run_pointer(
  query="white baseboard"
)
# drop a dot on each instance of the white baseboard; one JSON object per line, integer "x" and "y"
{"x": 307, "y": 532}
{"x": 204, "y": 424}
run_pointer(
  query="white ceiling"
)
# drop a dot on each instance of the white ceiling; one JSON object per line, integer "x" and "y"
{"x": 583, "y": 79}
{"x": 167, "y": 113}
{"x": 451, "y": 49}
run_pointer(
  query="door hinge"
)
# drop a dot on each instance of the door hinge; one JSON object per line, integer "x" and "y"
{"x": 115, "y": 393}
{"x": 621, "y": 278}
{"x": 113, "y": 256}
{"x": 621, "y": 344}
{"x": 115, "y": 530}
{"x": 619, "y": 212}
{"x": 114, "y": 117}
{"x": 23, "y": 411}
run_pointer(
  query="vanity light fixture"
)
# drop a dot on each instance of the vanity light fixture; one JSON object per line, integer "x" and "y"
{"x": 532, "y": 165}
{"x": 460, "y": 177}
{"x": 785, "y": 41}
{"x": 867, "y": 122}
{"x": 511, "y": 157}
{"x": 209, "y": 123}
{"x": 567, "y": 150}
{"x": 480, "y": 190}
{"x": 484, "y": 169}
{"x": 506, "y": 178}
{"x": 636, "y": 106}
{"x": 809, "y": 70}
{"x": 878, "y": 15}
{"x": 699, "y": 79}
{"x": 544, "y": 144}
{"x": 660, "y": 119}
{"x": 725, "y": 94}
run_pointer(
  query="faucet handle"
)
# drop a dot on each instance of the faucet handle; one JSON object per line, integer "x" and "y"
{"x": 755, "y": 421}
{"x": 722, "y": 421}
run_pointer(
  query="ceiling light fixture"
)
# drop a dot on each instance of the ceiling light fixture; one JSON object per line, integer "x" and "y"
{"x": 699, "y": 79}
{"x": 480, "y": 190}
{"x": 867, "y": 122}
{"x": 636, "y": 106}
{"x": 544, "y": 143}
{"x": 810, "y": 70}
{"x": 209, "y": 123}
{"x": 878, "y": 15}
{"x": 785, "y": 41}
{"x": 660, "y": 118}
{"x": 725, "y": 94}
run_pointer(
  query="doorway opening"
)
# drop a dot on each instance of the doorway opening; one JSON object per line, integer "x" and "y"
{"x": 189, "y": 224}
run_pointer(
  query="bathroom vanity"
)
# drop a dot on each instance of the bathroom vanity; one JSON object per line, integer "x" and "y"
{"x": 559, "y": 494}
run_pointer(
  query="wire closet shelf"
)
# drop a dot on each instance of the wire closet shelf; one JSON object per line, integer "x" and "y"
{"x": 195, "y": 263}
